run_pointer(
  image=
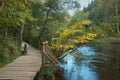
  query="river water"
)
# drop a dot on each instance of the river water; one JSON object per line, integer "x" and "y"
{"x": 92, "y": 65}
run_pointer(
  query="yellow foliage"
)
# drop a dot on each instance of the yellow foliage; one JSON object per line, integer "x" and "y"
{"x": 23, "y": 5}
{"x": 21, "y": 20}
{"x": 86, "y": 38}
{"x": 70, "y": 36}
{"x": 86, "y": 22}
{"x": 27, "y": 3}
{"x": 77, "y": 55}
{"x": 81, "y": 24}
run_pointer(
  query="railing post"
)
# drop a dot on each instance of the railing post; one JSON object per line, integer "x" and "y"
{"x": 43, "y": 56}
{"x": 24, "y": 52}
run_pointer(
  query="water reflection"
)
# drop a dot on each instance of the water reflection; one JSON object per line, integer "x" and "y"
{"x": 76, "y": 69}
{"x": 92, "y": 65}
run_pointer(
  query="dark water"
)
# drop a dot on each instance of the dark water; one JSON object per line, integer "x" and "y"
{"x": 92, "y": 65}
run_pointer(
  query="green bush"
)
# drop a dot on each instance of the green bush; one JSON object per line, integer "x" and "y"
{"x": 9, "y": 50}
{"x": 48, "y": 73}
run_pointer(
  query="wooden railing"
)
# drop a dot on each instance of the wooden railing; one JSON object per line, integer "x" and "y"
{"x": 47, "y": 55}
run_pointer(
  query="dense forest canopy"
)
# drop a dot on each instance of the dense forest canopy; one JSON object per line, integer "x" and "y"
{"x": 104, "y": 11}
{"x": 34, "y": 17}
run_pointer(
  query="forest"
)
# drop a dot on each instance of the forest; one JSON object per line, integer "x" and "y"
{"x": 34, "y": 21}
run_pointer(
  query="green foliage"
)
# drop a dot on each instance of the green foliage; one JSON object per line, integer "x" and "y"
{"x": 57, "y": 14}
{"x": 105, "y": 12}
{"x": 106, "y": 44}
{"x": 77, "y": 17}
{"x": 31, "y": 35}
{"x": 103, "y": 29}
{"x": 107, "y": 28}
{"x": 51, "y": 16}
{"x": 9, "y": 50}
{"x": 13, "y": 13}
{"x": 47, "y": 73}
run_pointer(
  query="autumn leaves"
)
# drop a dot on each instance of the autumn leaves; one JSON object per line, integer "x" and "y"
{"x": 73, "y": 36}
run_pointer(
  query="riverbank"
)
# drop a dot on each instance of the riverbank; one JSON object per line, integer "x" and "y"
{"x": 105, "y": 44}
{"x": 51, "y": 73}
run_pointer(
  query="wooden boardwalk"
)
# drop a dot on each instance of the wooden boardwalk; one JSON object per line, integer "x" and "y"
{"x": 24, "y": 67}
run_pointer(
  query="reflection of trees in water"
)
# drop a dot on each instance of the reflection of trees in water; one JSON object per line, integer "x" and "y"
{"x": 112, "y": 56}
{"x": 114, "y": 63}
{"x": 107, "y": 67}
{"x": 106, "y": 64}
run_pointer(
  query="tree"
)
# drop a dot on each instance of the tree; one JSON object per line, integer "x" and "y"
{"x": 51, "y": 16}
{"x": 104, "y": 11}
{"x": 77, "y": 17}
{"x": 117, "y": 16}
{"x": 15, "y": 15}
{"x": 72, "y": 37}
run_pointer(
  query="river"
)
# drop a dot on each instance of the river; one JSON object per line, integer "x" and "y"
{"x": 92, "y": 65}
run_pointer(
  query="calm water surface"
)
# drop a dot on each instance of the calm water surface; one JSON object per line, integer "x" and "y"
{"x": 92, "y": 65}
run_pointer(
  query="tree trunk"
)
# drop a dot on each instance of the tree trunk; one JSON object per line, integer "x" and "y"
{"x": 1, "y": 4}
{"x": 45, "y": 22}
{"x": 117, "y": 12}
{"x": 21, "y": 34}
{"x": 5, "y": 33}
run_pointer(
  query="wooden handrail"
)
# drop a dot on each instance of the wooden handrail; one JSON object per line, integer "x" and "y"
{"x": 46, "y": 53}
{"x": 50, "y": 53}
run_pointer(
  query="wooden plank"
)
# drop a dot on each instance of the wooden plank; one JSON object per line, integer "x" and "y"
{"x": 16, "y": 78}
{"x": 16, "y": 73}
{"x": 24, "y": 64}
{"x": 24, "y": 67}
{"x": 20, "y": 69}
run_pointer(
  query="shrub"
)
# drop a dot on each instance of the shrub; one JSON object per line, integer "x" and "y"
{"x": 9, "y": 50}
